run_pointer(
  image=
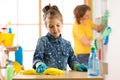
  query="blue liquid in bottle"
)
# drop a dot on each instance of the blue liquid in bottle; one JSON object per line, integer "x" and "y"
{"x": 93, "y": 64}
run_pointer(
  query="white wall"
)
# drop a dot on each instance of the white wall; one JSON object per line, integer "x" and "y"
{"x": 112, "y": 56}
{"x": 114, "y": 44}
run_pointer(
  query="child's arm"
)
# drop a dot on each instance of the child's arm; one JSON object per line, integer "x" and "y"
{"x": 104, "y": 22}
{"x": 98, "y": 28}
{"x": 72, "y": 59}
{"x": 85, "y": 41}
{"x": 73, "y": 63}
{"x": 38, "y": 54}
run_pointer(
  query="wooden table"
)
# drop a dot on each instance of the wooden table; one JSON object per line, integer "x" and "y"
{"x": 69, "y": 75}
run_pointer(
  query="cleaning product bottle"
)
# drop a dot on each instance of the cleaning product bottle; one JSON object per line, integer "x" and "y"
{"x": 9, "y": 30}
{"x": 19, "y": 55}
{"x": 10, "y": 70}
{"x": 93, "y": 64}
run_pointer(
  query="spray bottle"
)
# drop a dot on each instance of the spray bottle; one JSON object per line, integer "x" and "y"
{"x": 10, "y": 71}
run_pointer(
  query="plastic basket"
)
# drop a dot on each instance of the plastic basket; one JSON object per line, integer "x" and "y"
{"x": 6, "y": 39}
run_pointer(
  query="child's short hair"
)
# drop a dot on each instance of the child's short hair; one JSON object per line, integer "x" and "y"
{"x": 80, "y": 11}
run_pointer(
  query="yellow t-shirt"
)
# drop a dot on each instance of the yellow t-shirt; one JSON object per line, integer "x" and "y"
{"x": 79, "y": 31}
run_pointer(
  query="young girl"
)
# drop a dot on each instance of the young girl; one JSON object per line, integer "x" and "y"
{"x": 52, "y": 50}
{"x": 83, "y": 32}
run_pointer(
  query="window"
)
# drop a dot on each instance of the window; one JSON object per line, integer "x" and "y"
{"x": 66, "y": 7}
{"x": 24, "y": 18}
{"x": 25, "y": 23}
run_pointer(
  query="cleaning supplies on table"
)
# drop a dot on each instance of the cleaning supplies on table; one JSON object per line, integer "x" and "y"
{"x": 53, "y": 71}
{"x": 10, "y": 71}
{"x": 17, "y": 67}
{"x": 29, "y": 72}
{"x": 93, "y": 64}
{"x": 19, "y": 55}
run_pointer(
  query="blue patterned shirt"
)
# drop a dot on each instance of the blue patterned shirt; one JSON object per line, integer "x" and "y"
{"x": 54, "y": 52}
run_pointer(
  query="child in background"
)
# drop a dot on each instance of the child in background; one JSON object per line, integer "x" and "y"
{"x": 83, "y": 32}
{"x": 52, "y": 50}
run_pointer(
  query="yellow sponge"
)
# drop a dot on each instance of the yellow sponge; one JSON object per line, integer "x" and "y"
{"x": 53, "y": 71}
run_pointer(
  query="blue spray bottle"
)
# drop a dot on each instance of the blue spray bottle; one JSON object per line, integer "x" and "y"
{"x": 93, "y": 64}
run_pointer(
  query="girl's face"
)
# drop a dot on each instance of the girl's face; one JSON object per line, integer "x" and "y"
{"x": 87, "y": 15}
{"x": 54, "y": 26}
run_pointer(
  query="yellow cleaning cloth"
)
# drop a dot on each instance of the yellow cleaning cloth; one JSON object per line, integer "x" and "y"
{"x": 29, "y": 72}
{"x": 17, "y": 67}
{"x": 53, "y": 71}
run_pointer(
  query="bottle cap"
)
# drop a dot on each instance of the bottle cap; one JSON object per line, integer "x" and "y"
{"x": 9, "y": 62}
{"x": 9, "y": 30}
{"x": 92, "y": 48}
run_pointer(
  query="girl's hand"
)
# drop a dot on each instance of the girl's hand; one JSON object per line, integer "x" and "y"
{"x": 41, "y": 67}
{"x": 81, "y": 67}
